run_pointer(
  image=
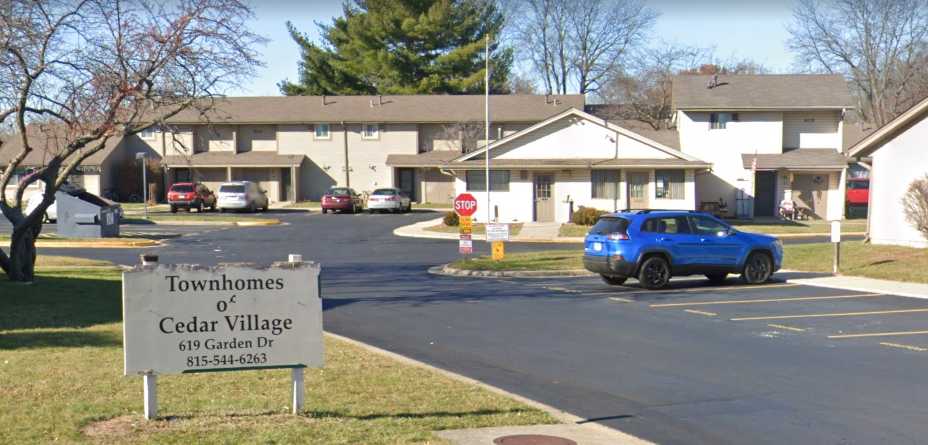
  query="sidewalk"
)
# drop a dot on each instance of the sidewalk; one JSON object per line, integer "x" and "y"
{"x": 862, "y": 284}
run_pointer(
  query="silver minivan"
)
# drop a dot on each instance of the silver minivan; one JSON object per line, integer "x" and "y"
{"x": 242, "y": 195}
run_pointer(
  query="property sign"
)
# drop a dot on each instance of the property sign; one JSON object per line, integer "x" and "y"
{"x": 465, "y": 204}
{"x": 836, "y": 231}
{"x": 184, "y": 318}
{"x": 466, "y": 227}
{"x": 465, "y": 246}
{"x": 497, "y": 232}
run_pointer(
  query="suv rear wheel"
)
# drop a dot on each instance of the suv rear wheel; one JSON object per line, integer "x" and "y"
{"x": 757, "y": 269}
{"x": 613, "y": 280}
{"x": 654, "y": 273}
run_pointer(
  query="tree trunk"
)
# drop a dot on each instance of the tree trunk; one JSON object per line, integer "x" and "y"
{"x": 23, "y": 254}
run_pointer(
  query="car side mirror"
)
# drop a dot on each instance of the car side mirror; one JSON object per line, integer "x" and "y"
{"x": 724, "y": 233}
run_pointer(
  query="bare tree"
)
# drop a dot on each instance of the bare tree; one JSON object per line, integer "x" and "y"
{"x": 879, "y": 45}
{"x": 576, "y": 44}
{"x": 643, "y": 91}
{"x": 77, "y": 75}
{"x": 519, "y": 84}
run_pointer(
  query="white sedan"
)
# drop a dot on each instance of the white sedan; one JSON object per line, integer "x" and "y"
{"x": 389, "y": 199}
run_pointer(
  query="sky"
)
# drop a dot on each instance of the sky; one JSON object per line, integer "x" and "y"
{"x": 736, "y": 29}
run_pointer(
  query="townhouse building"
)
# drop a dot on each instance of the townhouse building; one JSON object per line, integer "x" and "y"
{"x": 768, "y": 138}
{"x": 296, "y": 148}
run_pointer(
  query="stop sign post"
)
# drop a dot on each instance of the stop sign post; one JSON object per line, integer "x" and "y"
{"x": 465, "y": 205}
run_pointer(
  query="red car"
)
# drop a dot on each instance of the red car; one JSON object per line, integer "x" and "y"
{"x": 342, "y": 199}
{"x": 858, "y": 192}
{"x": 191, "y": 195}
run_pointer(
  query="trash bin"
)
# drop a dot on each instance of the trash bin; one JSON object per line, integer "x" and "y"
{"x": 85, "y": 215}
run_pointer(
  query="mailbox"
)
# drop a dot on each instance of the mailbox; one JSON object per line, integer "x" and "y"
{"x": 85, "y": 215}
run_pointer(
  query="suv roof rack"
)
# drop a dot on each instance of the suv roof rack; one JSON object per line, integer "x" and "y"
{"x": 646, "y": 211}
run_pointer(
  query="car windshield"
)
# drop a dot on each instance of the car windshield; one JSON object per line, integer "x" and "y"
{"x": 386, "y": 192}
{"x": 232, "y": 189}
{"x": 340, "y": 191}
{"x": 609, "y": 225}
{"x": 858, "y": 185}
{"x": 182, "y": 188}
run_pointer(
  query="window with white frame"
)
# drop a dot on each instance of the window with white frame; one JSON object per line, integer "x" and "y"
{"x": 669, "y": 184}
{"x": 148, "y": 133}
{"x": 719, "y": 121}
{"x": 321, "y": 131}
{"x": 605, "y": 184}
{"x": 477, "y": 182}
{"x": 370, "y": 131}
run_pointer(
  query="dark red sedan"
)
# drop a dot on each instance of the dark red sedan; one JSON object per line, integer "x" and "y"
{"x": 342, "y": 199}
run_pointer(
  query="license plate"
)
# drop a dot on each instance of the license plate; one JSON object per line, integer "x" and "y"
{"x": 597, "y": 247}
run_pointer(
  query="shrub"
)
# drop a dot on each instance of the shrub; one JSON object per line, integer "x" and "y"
{"x": 915, "y": 202}
{"x": 451, "y": 219}
{"x": 586, "y": 216}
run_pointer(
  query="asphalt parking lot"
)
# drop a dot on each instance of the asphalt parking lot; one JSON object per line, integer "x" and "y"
{"x": 695, "y": 363}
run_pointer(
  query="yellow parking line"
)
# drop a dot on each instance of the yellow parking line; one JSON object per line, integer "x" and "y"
{"x": 901, "y": 346}
{"x": 839, "y": 314}
{"x": 879, "y": 334}
{"x": 788, "y": 328}
{"x": 694, "y": 311}
{"x": 764, "y": 300}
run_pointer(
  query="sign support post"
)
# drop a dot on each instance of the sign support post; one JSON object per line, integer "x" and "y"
{"x": 296, "y": 374}
{"x": 150, "y": 379}
{"x": 836, "y": 240}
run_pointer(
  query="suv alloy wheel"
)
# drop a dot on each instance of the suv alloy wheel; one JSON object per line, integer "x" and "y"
{"x": 654, "y": 273}
{"x": 757, "y": 269}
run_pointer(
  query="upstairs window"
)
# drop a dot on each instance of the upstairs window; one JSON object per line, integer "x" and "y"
{"x": 719, "y": 121}
{"x": 322, "y": 131}
{"x": 148, "y": 133}
{"x": 370, "y": 131}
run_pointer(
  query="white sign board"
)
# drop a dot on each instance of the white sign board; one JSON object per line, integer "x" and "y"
{"x": 182, "y": 318}
{"x": 497, "y": 232}
{"x": 836, "y": 231}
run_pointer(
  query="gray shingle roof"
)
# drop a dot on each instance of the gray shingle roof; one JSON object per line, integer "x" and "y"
{"x": 411, "y": 108}
{"x": 801, "y": 159}
{"x": 223, "y": 159}
{"x": 766, "y": 91}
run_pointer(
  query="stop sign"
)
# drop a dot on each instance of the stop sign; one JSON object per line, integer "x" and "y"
{"x": 465, "y": 204}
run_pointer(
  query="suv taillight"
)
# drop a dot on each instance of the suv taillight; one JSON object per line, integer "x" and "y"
{"x": 617, "y": 236}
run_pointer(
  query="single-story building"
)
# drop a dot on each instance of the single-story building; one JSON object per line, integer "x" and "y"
{"x": 572, "y": 159}
{"x": 895, "y": 154}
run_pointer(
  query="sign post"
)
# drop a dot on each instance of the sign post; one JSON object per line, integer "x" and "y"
{"x": 181, "y": 319}
{"x": 465, "y": 205}
{"x": 836, "y": 240}
{"x": 497, "y": 234}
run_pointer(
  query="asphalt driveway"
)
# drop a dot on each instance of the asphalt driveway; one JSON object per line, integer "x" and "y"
{"x": 693, "y": 364}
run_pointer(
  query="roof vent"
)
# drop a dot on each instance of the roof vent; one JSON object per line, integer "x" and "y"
{"x": 713, "y": 81}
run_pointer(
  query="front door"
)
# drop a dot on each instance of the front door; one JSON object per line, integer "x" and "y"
{"x": 286, "y": 185}
{"x": 544, "y": 198}
{"x": 765, "y": 190}
{"x": 406, "y": 180}
{"x": 638, "y": 190}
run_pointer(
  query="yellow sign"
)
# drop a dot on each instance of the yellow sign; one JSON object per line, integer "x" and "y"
{"x": 499, "y": 252}
{"x": 466, "y": 225}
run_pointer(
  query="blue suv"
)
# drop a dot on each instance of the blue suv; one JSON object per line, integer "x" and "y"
{"x": 654, "y": 245}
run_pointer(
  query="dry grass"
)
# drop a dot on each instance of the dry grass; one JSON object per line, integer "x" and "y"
{"x": 568, "y": 259}
{"x": 478, "y": 229}
{"x": 866, "y": 260}
{"x": 61, "y": 380}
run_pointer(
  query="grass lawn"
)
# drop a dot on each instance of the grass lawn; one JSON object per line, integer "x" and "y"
{"x": 54, "y": 262}
{"x": 431, "y": 205}
{"x": 479, "y": 229}
{"x": 571, "y": 229}
{"x": 805, "y": 227}
{"x": 61, "y": 380}
{"x": 866, "y": 260}
{"x": 567, "y": 259}
{"x": 303, "y": 205}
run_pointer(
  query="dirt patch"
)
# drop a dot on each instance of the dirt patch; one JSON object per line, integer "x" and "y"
{"x": 134, "y": 425}
{"x": 124, "y": 426}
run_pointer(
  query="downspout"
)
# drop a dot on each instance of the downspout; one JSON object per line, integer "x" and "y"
{"x": 347, "y": 165}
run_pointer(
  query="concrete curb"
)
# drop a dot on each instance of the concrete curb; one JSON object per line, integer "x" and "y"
{"x": 558, "y": 414}
{"x": 107, "y": 244}
{"x": 449, "y": 271}
{"x": 417, "y": 230}
{"x": 269, "y": 222}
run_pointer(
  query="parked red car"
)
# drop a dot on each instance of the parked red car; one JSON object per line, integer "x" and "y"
{"x": 858, "y": 191}
{"x": 191, "y": 195}
{"x": 342, "y": 199}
